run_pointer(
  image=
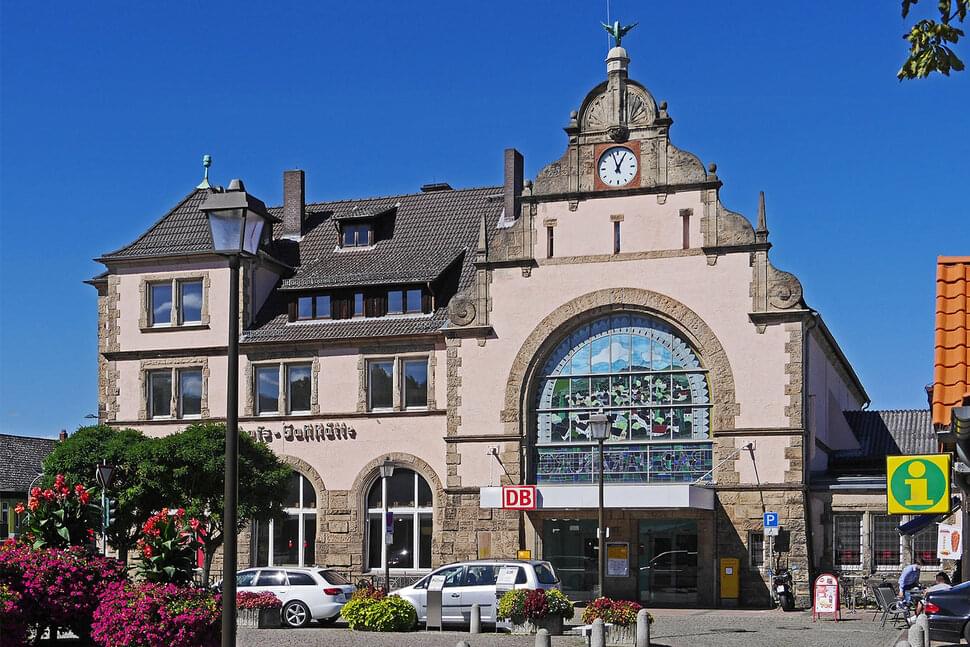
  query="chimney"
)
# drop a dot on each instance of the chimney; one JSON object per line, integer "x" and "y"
{"x": 294, "y": 204}
{"x": 63, "y": 435}
{"x": 513, "y": 182}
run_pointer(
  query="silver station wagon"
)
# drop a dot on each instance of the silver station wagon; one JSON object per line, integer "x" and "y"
{"x": 467, "y": 583}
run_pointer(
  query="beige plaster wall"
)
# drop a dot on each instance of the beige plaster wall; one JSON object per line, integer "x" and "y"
{"x": 130, "y": 305}
{"x": 829, "y": 395}
{"x": 769, "y": 463}
{"x": 646, "y": 225}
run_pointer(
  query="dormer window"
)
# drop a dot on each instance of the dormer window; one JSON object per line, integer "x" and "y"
{"x": 404, "y": 301}
{"x": 367, "y": 302}
{"x": 359, "y": 235}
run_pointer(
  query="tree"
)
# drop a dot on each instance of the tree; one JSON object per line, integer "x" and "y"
{"x": 134, "y": 485}
{"x": 929, "y": 41}
{"x": 194, "y": 461}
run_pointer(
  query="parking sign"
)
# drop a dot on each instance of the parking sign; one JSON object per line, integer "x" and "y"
{"x": 771, "y": 520}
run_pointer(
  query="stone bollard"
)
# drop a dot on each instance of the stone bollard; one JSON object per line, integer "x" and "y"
{"x": 475, "y": 623}
{"x": 919, "y": 633}
{"x": 543, "y": 639}
{"x": 597, "y": 637}
{"x": 643, "y": 628}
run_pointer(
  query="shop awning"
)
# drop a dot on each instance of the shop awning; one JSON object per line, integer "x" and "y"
{"x": 631, "y": 497}
{"x": 919, "y": 522}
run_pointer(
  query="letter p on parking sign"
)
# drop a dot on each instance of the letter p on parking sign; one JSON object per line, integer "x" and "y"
{"x": 519, "y": 497}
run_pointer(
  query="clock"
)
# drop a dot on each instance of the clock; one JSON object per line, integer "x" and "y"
{"x": 617, "y": 166}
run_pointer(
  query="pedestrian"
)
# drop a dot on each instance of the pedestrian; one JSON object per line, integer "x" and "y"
{"x": 942, "y": 582}
{"x": 909, "y": 579}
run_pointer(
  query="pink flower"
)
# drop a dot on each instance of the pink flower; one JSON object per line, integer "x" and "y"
{"x": 33, "y": 504}
{"x": 19, "y": 508}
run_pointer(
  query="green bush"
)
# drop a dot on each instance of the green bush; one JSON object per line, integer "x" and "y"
{"x": 559, "y": 604}
{"x": 366, "y": 613}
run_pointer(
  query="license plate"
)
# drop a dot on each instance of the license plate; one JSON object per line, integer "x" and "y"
{"x": 341, "y": 598}
{"x": 780, "y": 589}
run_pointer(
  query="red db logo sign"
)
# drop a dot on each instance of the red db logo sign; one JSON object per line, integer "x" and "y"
{"x": 519, "y": 497}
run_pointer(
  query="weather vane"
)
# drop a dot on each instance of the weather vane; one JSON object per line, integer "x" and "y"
{"x": 617, "y": 31}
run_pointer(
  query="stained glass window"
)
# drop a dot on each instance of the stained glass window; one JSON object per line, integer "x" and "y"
{"x": 647, "y": 379}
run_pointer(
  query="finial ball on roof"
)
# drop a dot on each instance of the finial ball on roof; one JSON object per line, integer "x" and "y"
{"x": 573, "y": 114}
{"x": 712, "y": 167}
{"x": 207, "y": 161}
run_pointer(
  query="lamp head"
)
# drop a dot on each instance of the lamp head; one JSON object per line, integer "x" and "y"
{"x": 599, "y": 425}
{"x": 236, "y": 219}
{"x": 387, "y": 469}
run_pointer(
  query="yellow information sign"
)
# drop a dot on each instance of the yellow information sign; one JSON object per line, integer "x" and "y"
{"x": 918, "y": 484}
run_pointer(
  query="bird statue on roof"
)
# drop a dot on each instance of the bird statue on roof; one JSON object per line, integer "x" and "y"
{"x": 618, "y": 31}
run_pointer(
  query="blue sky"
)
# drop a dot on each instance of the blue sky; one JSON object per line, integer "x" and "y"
{"x": 108, "y": 107}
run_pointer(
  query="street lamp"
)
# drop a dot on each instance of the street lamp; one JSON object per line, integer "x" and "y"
{"x": 104, "y": 474}
{"x": 387, "y": 471}
{"x": 599, "y": 425}
{"x": 236, "y": 221}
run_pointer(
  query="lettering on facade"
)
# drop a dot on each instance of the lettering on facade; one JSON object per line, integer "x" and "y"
{"x": 318, "y": 432}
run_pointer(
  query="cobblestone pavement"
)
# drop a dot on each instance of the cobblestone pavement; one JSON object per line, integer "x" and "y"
{"x": 673, "y": 628}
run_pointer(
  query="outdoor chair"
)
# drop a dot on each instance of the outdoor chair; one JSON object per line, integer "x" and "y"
{"x": 890, "y": 606}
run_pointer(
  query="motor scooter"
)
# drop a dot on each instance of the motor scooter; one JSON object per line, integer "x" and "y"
{"x": 782, "y": 588}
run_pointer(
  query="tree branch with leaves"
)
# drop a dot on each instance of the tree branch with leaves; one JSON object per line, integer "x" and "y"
{"x": 930, "y": 41}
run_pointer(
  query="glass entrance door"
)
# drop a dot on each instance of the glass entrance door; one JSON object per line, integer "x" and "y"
{"x": 570, "y": 546}
{"x": 668, "y": 562}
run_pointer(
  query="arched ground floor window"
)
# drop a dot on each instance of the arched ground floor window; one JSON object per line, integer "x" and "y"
{"x": 406, "y": 496}
{"x": 289, "y": 541}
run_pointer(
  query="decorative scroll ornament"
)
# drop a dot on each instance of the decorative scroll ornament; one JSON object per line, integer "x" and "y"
{"x": 784, "y": 289}
{"x": 461, "y": 310}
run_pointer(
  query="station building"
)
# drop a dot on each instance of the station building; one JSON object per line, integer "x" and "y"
{"x": 467, "y": 335}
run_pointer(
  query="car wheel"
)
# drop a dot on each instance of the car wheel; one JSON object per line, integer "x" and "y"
{"x": 966, "y": 632}
{"x": 296, "y": 614}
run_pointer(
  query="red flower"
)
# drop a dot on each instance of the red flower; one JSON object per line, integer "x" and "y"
{"x": 84, "y": 497}
{"x": 33, "y": 504}
{"x": 19, "y": 508}
{"x": 35, "y": 491}
{"x": 59, "y": 481}
{"x": 48, "y": 494}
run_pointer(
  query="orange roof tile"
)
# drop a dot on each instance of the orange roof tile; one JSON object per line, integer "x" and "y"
{"x": 951, "y": 357}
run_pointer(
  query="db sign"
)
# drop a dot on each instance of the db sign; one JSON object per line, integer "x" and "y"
{"x": 519, "y": 497}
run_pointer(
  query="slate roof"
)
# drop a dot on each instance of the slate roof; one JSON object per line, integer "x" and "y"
{"x": 951, "y": 358}
{"x": 184, "y": 229}
{"x": 21, "y": 458}
{"x": 430, "y": 232}
{"x": 881, "y": 433}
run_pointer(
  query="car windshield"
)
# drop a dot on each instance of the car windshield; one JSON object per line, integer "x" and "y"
{"x": 545, "y": 574}
{"x": 333, "y": 577}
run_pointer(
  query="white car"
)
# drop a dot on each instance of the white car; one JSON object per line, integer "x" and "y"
{"x": 307, "y": 593}
{"x": 469, "y": 582}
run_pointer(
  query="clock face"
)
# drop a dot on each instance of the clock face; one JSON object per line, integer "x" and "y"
{"x": 617, "y": 166}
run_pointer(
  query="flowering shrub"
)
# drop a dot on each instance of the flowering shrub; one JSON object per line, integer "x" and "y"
{"x": 149, "y": 615}
{"x": 369, "y": 609}
{"x": 617, "y": 612}
{"x": 168, "y": 546}
{"x": 58, "y": 517}
{"x": 253, "y": 600}
{"x": 57, "y": 587}
{"x": 13, "y": 625}
{"x": 519, "y": 605}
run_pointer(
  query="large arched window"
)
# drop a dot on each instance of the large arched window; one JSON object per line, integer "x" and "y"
{"x": 648, "y": 380}
{"x": 407, "y": 496}
{"x": 290, "y": 540}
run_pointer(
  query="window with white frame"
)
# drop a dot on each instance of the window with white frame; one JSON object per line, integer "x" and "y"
{"x": 400, "y": 382}
{"x": 924, "y": 545}
{"x": 406, "y": 496}
{"x": 271, "y": 382}
{"x": 178, "y": 387}
{"x": 847, "y": 540}
{"x": 177, "y": 302}
{"x": 885, "y": 541}
{"x": 290, "y": 540}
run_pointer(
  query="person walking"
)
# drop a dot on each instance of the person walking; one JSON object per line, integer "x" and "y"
{"x": 909, "y": 579}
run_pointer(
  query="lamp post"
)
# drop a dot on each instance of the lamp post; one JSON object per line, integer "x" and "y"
{"x": 236, "y": 221}
{"x": 599, "y": 425}
{"x": 387, "y": 471}
{"x": 104, "y": 474}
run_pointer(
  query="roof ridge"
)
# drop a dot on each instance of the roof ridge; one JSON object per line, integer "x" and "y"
{"x": 159, "y": 221}
{"x": 402, "y": 195}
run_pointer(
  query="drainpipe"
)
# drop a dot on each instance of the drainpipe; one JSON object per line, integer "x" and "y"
{"x": 806, "y": 450}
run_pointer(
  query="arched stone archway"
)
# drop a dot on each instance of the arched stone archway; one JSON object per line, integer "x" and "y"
{"x": 313, "y": 476}
{"x": 551, "y": 329}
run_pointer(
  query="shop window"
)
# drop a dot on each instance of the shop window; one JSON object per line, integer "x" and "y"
{"x": 885, "y": 541}
{"x": 407, "y": 495}
{"x": 291, "y": 539}
{"x": 648, "y": 380}
{"x": 925, "y": 543}
{"x": 756, "y": 549}
{"x": 847, "y": 540}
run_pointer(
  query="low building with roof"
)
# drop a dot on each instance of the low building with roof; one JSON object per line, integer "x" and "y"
{"x": 469, "y": 335}
{"x": 21, "y": 465}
